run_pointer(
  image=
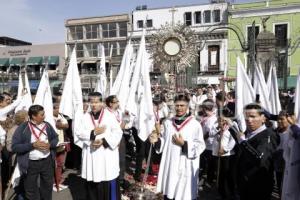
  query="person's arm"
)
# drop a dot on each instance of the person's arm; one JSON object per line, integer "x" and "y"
{"x": 18, "y": 145}
{"x": 9, "y": 137}
{"x": 229, "y": 144}
{"x": 295, "y": 131}
{"x": 10, "y": 107}
{"x": 113, "y": 139}
{"x": 194, "y": 145}
{"x": 265, "y": 149}
{"x": 159, "y": 139}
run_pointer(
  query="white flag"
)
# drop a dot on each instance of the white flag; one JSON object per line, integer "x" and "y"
{"x": 297, "y": 99}
{"x": 244, "y": 93}
{"x": 121, "y": 84}
{"x": 44, "y": 98}
{"x": 71, "y": 101}
{"x": 132, "y": 100}
{"x": 101, "y": 83}
{"x": 145, "y": 118}
{"x": 139, "y": 102}
{"x": 269, "y": 80}
{"x": 27, "y": 100}
{"x": 274, "y": 92}
{"x": 261, "y": 88}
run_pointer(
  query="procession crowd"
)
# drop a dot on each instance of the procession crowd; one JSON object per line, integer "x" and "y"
{"x": 196, "y": 143}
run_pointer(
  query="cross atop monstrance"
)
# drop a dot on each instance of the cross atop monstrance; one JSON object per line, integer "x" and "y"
{"x": 173, "y": 10}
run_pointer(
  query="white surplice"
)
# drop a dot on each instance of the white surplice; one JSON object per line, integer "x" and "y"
{"x": 178, "y": 173}
{"x": 100, "y": 164}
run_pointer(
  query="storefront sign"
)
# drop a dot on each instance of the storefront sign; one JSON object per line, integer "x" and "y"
{"x": 207, "y": 80}
{"x": 19, "y": 52}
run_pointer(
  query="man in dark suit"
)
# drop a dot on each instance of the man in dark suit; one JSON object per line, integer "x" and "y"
{"x": 254, "y": 167}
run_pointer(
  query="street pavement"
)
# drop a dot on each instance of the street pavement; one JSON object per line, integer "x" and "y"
{"x": 76, "y": 190}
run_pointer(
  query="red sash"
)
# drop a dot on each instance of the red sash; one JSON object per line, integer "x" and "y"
{"x": 99, "y": 119}
{"x": 37, "y": 136}
{"x": 178, "y": 128}
{"x": 156, "y": 115}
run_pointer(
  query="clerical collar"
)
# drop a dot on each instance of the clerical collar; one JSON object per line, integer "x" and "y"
{"x": 96, "y": 114}
{"x": 179, "y": 119}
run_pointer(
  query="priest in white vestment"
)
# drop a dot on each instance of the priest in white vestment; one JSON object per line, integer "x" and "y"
{"x": 101, "y": 135}
{"x": 181, "y": 144}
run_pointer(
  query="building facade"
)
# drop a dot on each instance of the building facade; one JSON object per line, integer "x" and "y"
{"x": 212, "y": 57}
{"x": 7, "y": 41}
{"x": 34, "y": 58}
{"x": 283, "y": 22}
{"x": 88, "y": 34}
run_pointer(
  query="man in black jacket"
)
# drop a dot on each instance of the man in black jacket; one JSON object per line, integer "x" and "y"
{"x": 35, "y": 142}
{"x": 257, "y": 145}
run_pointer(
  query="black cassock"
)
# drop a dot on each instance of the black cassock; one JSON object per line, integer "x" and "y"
{"x": 255, "y": 166}
{"x": 104, "y": 190}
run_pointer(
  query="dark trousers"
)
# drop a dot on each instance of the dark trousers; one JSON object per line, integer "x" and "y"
{"x": 258, "y": 187}
{"x": 140, "y": 153}
{"x": 44, "y": 169}
{"x": 279, "y": 176}
{"x": 104, "y": 190}
{"x": 207, "y": 166}
{"x": 73, "y": 160}
{"x": 122, "y": 160}
{"x": 226, "y": 185}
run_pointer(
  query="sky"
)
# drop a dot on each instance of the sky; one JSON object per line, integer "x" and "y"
{"x": 42, "y": 21}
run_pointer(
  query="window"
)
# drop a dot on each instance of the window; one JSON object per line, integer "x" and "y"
{"x": 149, "y": 23}
{"x": 113, "y": 30}
{"x": 122, "y": 45}
{"x": 216, "y": 15}
{"x": 140, "y": 24}
{"x": 123, "y": 29}
{"x": 79, "y": 50}
{"x": 92, "y": 49}
{"x": 282, "y": 62}
{"x": 198, "y": 17}
{"x": 114, "y": 47}
{"x": 207, "y": 17}
{"x": 188, "y": 18}
{"x": 91, "y": 31}
{"x": 76, "y": 32}
{"x": 281, "y": 34}
{"x": 109, "y": 30}
{"x": 108, "y": 46}
{"x": 249, "y": 32}
{"x": 71, "y": 33}
{"x": 213, "y": 58}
